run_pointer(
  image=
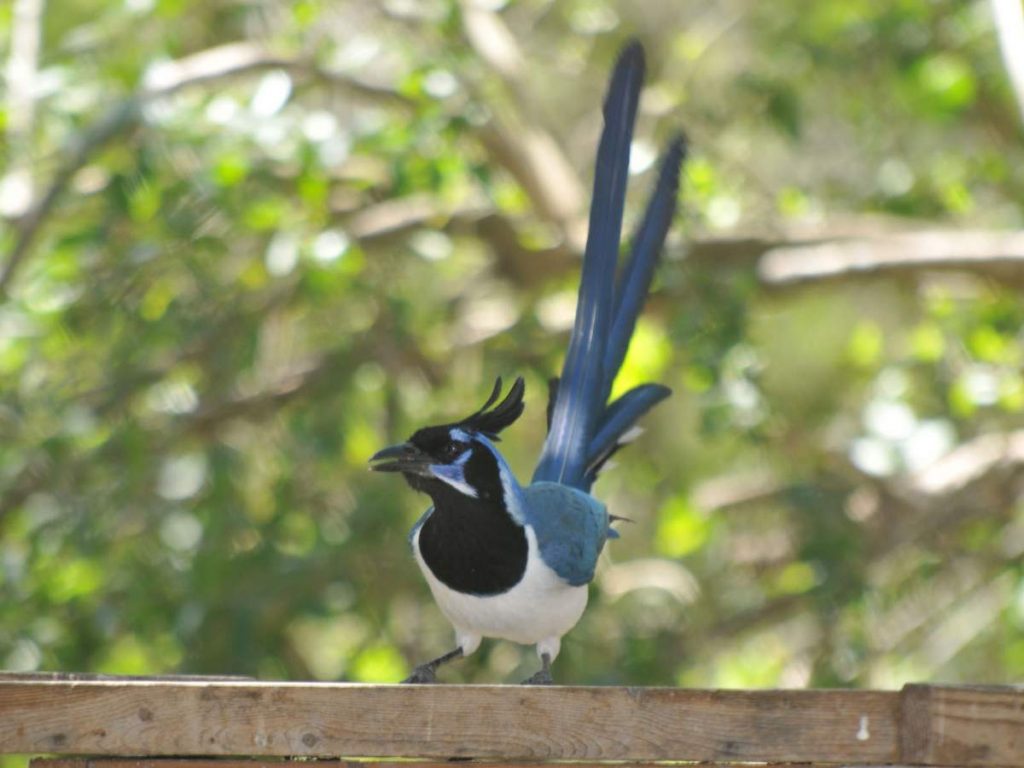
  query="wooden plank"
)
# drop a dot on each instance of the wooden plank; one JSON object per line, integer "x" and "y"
{"x": 82, "y": 676}
{"x": 281, "y": 762}
{"x": 499, "y": 723}
{"x": 963, "y": 725}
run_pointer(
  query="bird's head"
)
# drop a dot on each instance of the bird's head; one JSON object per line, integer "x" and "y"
{"x": 460, "y": 457}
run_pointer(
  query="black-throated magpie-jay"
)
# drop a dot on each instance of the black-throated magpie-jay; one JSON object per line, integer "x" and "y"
{"x": 511, "y": 561}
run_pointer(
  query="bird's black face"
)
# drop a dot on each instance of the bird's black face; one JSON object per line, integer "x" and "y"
{"x": 457, "y": 457}
{"x": 445, "y": 459}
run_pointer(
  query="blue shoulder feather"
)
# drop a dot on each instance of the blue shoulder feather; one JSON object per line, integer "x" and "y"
{"x": 571, "y": 528}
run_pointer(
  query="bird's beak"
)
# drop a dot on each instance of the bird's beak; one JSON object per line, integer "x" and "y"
{"x": 404, "y": 457}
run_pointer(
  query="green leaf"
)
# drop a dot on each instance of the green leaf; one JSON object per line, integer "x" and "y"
{"x": 378, "y": 664}
{"x": 682, "y": 529}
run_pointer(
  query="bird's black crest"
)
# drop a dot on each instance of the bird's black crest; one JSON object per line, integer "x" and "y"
{"x": 490, "y": 423}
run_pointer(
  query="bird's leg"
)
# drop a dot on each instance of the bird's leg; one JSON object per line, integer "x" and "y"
{"x": 543, "y": 677}
{"x": 427, "y": 672}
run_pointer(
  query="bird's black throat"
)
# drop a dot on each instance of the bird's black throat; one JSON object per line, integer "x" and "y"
{"x": 472, "y": 545}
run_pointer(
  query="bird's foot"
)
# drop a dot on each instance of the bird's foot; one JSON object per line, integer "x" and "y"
{"x": 543, "y": 677}
{"x": 422, "y": 675}
{"x": 427, "y": 672}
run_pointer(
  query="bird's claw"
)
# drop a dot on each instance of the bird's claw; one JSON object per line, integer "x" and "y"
{"x": 543, "y": 677}
{"x": 424, "y": 674}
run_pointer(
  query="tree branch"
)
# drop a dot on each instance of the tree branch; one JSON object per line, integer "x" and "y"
{"x": 1009, "y": 21}
{"x": 22, "y": 71}
{"x": 226, "y": 61}
{"x": 529, "y": 152}
{"x": 998, "y": 254}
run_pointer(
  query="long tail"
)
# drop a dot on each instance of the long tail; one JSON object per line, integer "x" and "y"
{"x": 583, "y": 429}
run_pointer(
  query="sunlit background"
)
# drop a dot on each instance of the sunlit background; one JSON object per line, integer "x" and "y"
{"x": 246, "y": 243}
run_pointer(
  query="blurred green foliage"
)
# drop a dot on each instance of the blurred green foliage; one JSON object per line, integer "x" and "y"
{"x": 255, "y": 280}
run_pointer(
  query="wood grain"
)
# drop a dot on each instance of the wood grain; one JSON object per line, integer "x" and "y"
{"x": 498, "y": 723}
{"x": 963, "y": 725}
{"x": 280, "y": 762}
{"x": 510, "y": 726}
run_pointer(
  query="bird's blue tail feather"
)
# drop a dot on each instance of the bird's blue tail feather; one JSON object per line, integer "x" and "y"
{"x": 631, "y": 288}
{"x": 583, "y": 431}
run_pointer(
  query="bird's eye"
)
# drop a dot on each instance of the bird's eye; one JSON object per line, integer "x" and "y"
{"x": 452, "y": 450}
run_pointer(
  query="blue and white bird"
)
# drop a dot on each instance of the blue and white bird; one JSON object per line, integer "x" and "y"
{"x": 512, "y": 561}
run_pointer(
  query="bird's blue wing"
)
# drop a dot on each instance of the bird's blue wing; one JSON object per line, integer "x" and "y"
{"x": 571, "y": 528}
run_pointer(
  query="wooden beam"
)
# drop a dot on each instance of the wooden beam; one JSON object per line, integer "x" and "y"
{"x": 279, "y": 762}
{"x": 510, "y": 725}
{"x": 968, "y": 725}
{"x": 506, "y": 723}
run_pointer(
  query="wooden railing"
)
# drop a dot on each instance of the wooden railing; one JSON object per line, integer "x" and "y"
{"x": 192, "y": 720}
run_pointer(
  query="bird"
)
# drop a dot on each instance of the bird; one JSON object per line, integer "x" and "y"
{"x": 512, "y": 561}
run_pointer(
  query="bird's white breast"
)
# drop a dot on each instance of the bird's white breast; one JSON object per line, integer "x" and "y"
{"x": 538, "y": 610}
